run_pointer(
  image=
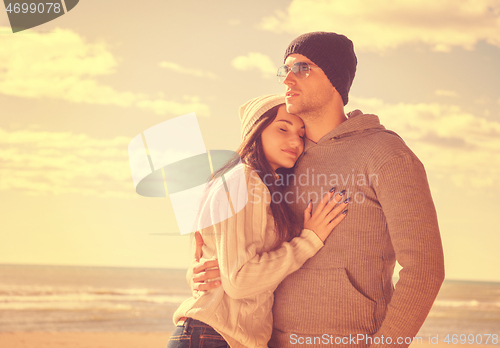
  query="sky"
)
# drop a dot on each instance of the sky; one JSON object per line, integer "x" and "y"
{"x": 75, "y": 91}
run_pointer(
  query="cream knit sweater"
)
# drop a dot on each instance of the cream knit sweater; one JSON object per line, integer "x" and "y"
{"x": 240, "y": 310}
{"x": 344, "y": 295}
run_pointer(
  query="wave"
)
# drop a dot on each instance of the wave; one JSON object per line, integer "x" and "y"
{"x": 44, "y": 297}
{"x": 65, "y": 306}
{"x": 56, "y": 291}
{"x": 467, "y": 304}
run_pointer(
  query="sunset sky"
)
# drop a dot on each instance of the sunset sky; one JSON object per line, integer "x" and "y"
{"x": 76, "y": 90}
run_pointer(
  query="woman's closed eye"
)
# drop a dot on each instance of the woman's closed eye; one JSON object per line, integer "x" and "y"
{"x": 286, "y": 130}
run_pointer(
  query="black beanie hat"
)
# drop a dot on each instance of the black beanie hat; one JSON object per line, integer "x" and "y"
{"x": 333, "y": 53}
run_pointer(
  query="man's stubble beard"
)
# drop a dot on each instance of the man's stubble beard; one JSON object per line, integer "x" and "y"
{"x": 307, "y": 111}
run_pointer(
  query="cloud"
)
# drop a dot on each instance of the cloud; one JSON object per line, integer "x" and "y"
{"x": 39, "y": 163}
{"x": 255, "y": 61}
{"x": 61, "y": 65}
{"x": 445, "y": 93}
{"x": 187, "y": 71}
{"x": 451, "y": 142}
{"x": 379, "y": 25}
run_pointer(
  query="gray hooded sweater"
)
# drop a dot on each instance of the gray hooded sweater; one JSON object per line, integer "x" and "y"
{"x": 344, "y": 295}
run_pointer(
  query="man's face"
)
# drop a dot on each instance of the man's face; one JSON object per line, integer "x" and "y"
{"x": 313, "y": 95}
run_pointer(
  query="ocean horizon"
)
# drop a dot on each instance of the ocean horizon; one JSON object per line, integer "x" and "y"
{"x": 124, "y": 299}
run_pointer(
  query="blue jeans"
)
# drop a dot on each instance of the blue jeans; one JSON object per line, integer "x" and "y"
{"x": 196, "y": 334}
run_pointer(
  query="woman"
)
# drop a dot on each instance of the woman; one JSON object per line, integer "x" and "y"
{"x": 257, "y": 246}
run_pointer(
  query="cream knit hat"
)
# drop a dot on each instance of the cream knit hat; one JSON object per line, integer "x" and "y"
{"x": 253, "y": 109}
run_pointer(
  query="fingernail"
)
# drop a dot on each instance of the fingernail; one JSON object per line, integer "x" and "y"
{"x": 310, "y": 201}
{"x": 341, "y": 193}
{"x": 344, "y": 212}
{"x": 347, "y": 201}
{"x": 332, "y": 189}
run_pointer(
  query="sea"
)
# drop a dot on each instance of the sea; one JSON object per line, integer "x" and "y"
{"x": 113, "y": 299}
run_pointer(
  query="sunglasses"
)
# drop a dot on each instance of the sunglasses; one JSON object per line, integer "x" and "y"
{"x": 300, "y": 70}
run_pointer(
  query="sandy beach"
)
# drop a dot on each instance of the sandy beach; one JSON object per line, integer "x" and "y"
{"x": 113, "y": 340}
{"x": 83, "y": 340}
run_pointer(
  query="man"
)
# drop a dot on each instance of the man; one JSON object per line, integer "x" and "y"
{"x": 344, "y": 295}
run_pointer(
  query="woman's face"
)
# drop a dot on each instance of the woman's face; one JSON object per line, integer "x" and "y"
{"x": 283, "y": 139}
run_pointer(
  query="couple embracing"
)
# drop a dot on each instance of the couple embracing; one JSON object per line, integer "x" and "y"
{"x": 311, "y": 272}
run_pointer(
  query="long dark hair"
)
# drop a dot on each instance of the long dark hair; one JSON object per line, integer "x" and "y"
{"x": 251, "y": 153}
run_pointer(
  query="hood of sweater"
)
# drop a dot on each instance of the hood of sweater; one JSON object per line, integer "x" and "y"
{"x": 356, "y": 124}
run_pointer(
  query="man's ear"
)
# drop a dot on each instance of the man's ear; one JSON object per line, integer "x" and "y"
{"x": 337, "y": 96}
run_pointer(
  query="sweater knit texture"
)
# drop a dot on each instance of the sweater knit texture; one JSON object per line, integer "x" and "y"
{"x": 240, "y": 310}
{"x": 346, "y": 289}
